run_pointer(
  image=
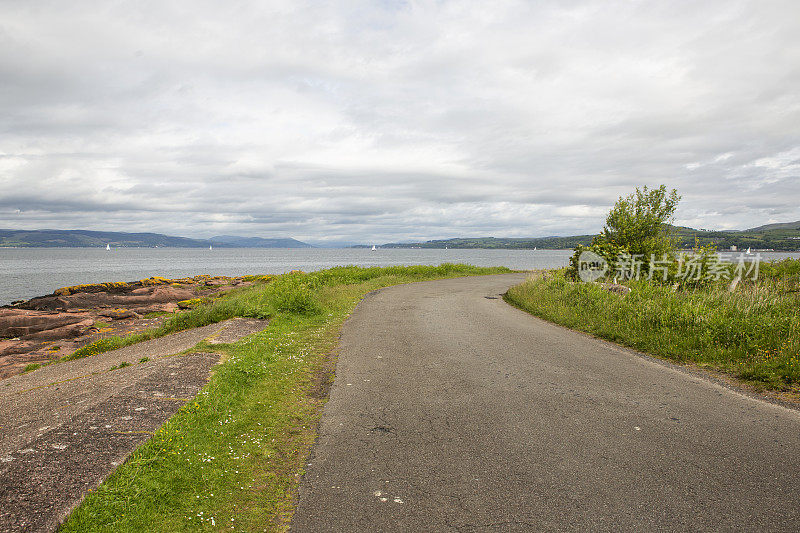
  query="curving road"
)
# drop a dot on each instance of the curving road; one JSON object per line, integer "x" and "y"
{"x": 453, "y": 411}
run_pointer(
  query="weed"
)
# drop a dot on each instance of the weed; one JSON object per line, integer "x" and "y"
{"x": 31, "y": 367}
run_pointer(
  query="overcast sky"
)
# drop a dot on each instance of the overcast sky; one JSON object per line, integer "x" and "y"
{"x": 393, "y": 121}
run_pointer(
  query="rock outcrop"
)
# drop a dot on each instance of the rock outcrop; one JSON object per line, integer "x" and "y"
{"x": 53, "y": 326}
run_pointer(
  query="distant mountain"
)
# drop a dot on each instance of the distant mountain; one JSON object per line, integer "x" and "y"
{"x": 782, "y": 237}
{"x": 53, "y": 238}
{"x": 258, "y": 242}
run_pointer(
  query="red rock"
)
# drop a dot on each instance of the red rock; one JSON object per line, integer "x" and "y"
{"x": 64, "y": 332}
{"x": 118, "y": 314}
{"x": 143, "y": 290}
{"x": 168, "y": 307}
{"x": 15, "y": 325}
{"x": 14, "y": 346}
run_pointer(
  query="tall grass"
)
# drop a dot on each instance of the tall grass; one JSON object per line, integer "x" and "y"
{"x": 752, "y": 332}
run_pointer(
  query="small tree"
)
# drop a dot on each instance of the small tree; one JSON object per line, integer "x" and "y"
{"x": 638, "y": 225}
{"x": 639, "y": 222}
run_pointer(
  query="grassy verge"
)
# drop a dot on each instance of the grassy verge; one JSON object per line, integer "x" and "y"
{"x": 752, "y": 333}
{"x": 231, "y": 459}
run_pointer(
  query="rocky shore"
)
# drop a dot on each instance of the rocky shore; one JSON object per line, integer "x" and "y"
{"x": 48, "y": 328}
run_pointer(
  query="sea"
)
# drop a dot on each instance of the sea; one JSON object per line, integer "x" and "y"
{"x": 29, "y": 272}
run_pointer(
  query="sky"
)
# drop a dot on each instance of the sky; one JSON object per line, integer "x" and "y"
{"x": 386, "y": 121}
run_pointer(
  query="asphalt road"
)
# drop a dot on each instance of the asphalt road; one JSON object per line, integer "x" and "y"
{"x": 453, "y": 411}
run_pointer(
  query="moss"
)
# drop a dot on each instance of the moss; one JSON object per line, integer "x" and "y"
{"x": 191, "y": 303}
{"x": 265, "y": 278}
{"x": 91, "y": 287}
{"x": 155, "y": 280}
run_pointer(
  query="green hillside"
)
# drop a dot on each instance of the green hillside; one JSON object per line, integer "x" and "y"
{"x": 779, "y": 237}
{"x": 553, "y": 243}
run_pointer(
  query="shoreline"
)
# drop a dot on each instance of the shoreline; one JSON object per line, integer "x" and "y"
{"x": 49, "y": 328}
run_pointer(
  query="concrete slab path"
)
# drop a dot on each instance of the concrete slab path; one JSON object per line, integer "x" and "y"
{"x": 65, "y": 427}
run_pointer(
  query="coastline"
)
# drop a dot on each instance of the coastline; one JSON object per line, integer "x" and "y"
{"x": 49, "y": 328}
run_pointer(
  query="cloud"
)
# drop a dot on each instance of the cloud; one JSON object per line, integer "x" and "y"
{"x": 390, "y": 121}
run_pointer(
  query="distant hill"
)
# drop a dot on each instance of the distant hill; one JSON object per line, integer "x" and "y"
{"x": 50, "y": 238}
{"x": 554, "y": 243}
{"x": 258, "y": 242}
{"x": 772, "y": 227}
{"x": 781, "y": 237}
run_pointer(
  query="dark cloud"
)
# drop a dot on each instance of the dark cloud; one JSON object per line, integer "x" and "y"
{"x": 364, "y": 121}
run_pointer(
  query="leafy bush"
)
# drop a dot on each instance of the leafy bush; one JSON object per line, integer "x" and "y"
{"x": 637, "y": 225}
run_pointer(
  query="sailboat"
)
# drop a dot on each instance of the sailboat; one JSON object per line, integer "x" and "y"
{"x": 108, "y": 247}
{"x": 534, "y": 248}
{"x": 209, "y": 247}
{"x": 373, "y": 248}
{"x": 748, "y": 252}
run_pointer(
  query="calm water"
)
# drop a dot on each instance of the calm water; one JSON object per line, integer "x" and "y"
{"x": 29, "y": 272}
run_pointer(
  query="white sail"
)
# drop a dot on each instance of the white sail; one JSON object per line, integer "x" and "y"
{"x": 108, "y": 247}
{"x": 373, "y": 248}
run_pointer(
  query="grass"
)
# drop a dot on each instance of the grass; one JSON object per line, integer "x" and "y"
{"x": 31, "y": 367}
{"x": 752, "y": 333}
{"x": 232, "y": 458}
{"x": 156, "y": 314}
